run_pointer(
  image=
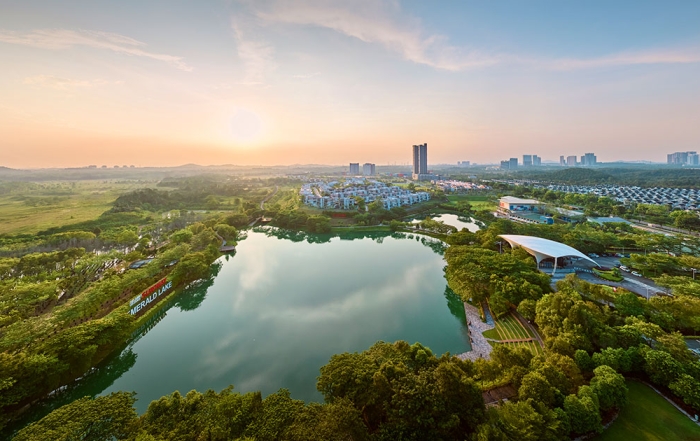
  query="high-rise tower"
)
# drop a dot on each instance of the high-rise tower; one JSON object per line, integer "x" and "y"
{"x": 420, "y": 161}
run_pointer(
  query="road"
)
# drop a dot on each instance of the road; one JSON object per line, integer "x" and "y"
{"x": 267, "y": 198}
{"x": 639, "y": 285}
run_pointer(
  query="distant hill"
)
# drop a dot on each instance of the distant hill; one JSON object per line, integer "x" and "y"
{"x": 644, "y": 176}
{"x": 577, "y": 176}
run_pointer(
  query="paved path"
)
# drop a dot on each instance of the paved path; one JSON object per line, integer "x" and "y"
{"x": 480, "y": 346}
{"x": 267, "y": 198}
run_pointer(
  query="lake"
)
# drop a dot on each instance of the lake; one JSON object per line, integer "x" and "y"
{"x": 272, "y": 314}
{"x": 454, "y": 220}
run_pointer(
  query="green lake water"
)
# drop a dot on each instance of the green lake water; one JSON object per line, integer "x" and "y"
{"x": 275, "y": 312}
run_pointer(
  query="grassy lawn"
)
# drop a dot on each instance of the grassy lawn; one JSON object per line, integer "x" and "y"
{"x": 37, "y": 207}
{"x": 509, "y": 328}
{"x": 477, "y": 202}
{"x": 649, "y": 417}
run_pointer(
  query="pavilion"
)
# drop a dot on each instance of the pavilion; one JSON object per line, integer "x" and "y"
{"x": 543, "y": 249}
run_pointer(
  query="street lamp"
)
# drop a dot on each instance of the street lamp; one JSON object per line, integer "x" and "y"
{"x": 500, "y": 250}
{"x": 693, "y": 270}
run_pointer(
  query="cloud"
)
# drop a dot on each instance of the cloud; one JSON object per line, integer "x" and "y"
{"x": 658, "y": 56}
{"x": 385, "y": 24}
{"x": 57, "y": 39}
{"x": 381, "y": 23}
{"x": 62, "y": 83}
{"x": 309, "y": 75}
{"x": 257, "y": 57}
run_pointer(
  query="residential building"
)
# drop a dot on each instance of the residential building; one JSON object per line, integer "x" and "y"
{"x": 571, "y": 161}
{"x": 679, "y": 158}
{"x": 693, "y": 159}
{"x": 562, "y": 161}
{"x": 527, "y": 160}
{"x": 588, "y": 159}
{"x": 420, "y": 162}
{"x": 354, "y": 168}
{"x": 368, "y": 169}
{"x": 505, "y": 165}
{"x": 513, "y": 163}
{"x": 536, "y": 161}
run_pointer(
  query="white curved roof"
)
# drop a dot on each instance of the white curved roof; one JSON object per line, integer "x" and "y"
{"x": 543, "y": 248}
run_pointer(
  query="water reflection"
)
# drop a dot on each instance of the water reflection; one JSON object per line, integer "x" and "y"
{"x": 271, "y": 316}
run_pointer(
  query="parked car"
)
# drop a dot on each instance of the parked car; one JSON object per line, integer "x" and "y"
{"x": 625, "y": 269}
{"x": 635, "y": 273}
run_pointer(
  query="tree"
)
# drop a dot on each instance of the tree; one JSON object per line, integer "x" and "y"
{"x": 103, "y": 418}
{"x": 127, "y": 237}
{"x": 211, "y": 202}
{"x": 610, "y": 388}
{"x": 536, "y": 387}
{"x": 191, "y": 267}
{"x": 181, "y": 236}
{"x": 688, "y": 388}
{"x": 404, "y": 392}
{"x": 522, "y": 420}
{"x": 661, "y": 367}
{"x": 583, "y": 411}
{"x": 686, "y": 220}
{"x": 528, "y": 309}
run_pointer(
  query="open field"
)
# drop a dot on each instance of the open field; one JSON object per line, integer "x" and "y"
{"x": 509, "y": 328}
{"x": 478, "y": 202}
{"x": 649, "y": 417}
{"x": 29, "y": 208}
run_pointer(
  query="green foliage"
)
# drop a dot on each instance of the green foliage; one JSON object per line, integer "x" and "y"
{"x": 661, "y": 367}
{"x": 583, "y": 411}
{"x": 477, "y": 273}
{"x": 191, "y": 267}
{"x": 522, "y": 420}
{"x": 688, "y": 388}
{"x": 610, "y": 388}
{"x": 403, "y": 391}
{"x": 103, "y": 418}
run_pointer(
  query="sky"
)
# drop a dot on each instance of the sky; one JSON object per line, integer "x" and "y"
{"x": 164, "y": 83}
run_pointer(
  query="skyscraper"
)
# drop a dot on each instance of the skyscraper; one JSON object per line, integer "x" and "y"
{"x": 536, "y": 161}
{"x": 679, "y": 158}
{"x": 589, "y": 159}
{"x": 513, "y": 163}
{"x": 368, "y": 169}
{"x": 420, "y": 161}
{"x": 354, "y": 168}
{"x": 571, "y": 161}
{"x": 527, "y": 160}
{"x": 562, "y": 161}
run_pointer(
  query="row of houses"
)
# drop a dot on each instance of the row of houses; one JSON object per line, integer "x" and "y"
{"x": 452, "y": 186}
{"x": 341, "y": 196}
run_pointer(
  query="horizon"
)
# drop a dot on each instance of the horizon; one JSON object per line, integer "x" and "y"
{"x": 275, "y": 83}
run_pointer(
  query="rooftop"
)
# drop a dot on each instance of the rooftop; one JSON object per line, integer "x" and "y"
{"x": 543, "y": 248}
{"x": 514, "y": 200}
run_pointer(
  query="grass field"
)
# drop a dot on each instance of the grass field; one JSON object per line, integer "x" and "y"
{"x": 477, "y": 202}
{"x": 648, "y": 417}
{"x": 509, "y": 328}
{"x": 35, "y": 207}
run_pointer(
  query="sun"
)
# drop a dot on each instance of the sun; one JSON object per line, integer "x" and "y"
{"x": 245, "y": 125}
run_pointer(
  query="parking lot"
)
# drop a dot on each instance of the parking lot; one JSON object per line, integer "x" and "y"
{"x": 640, "y": 285}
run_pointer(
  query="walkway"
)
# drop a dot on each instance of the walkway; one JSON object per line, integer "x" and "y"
{"x": 480, "y": 346}
{"x": 268, "y": 197}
